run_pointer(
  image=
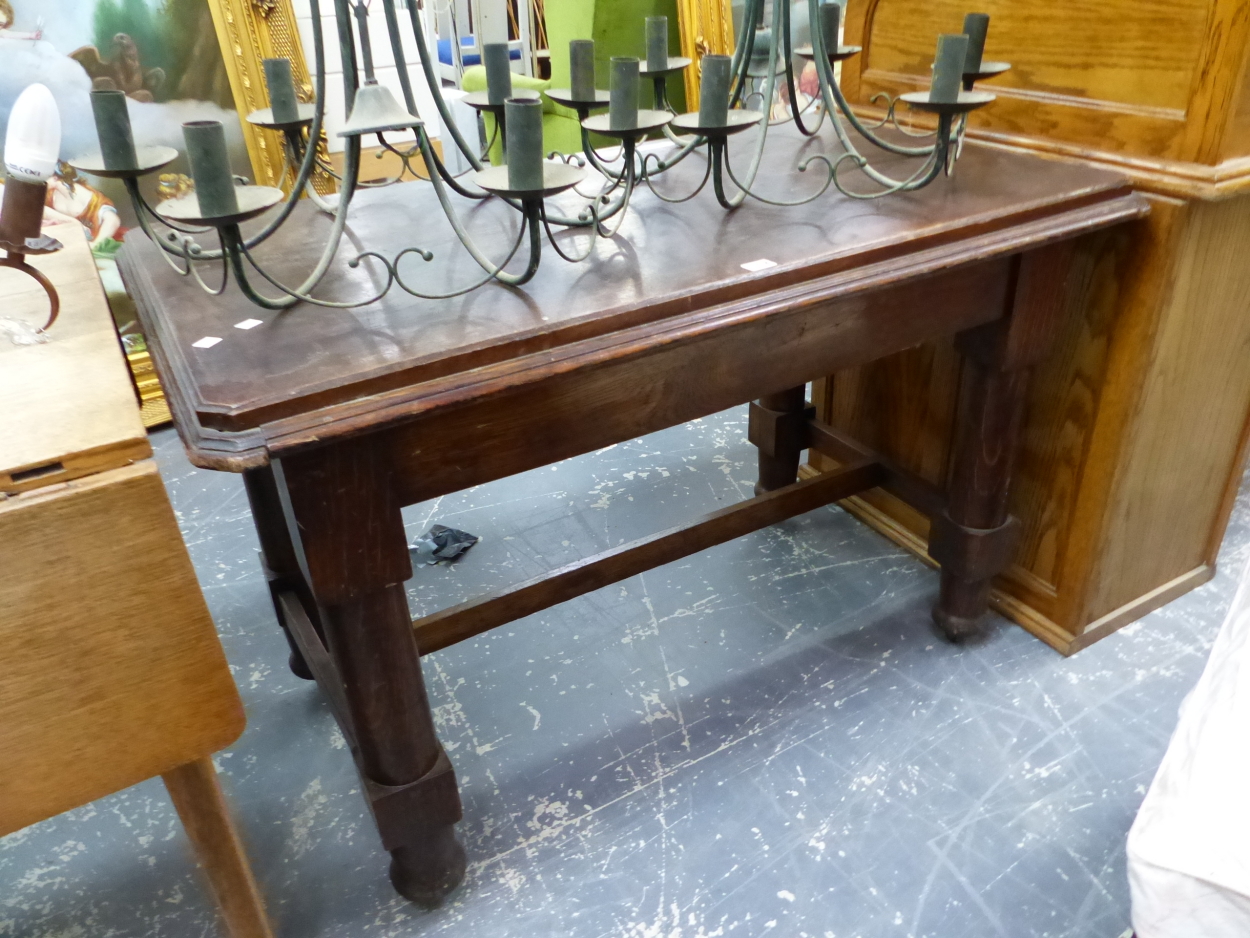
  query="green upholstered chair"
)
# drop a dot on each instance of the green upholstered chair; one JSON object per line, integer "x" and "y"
{"x": 554, "y": 132}
{"x": 618, "y": 27}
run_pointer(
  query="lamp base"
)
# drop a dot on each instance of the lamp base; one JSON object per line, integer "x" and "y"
{"x": 16, "y": 260}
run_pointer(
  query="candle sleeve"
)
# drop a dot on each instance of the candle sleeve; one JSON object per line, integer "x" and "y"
{"x": 948, "y": 68}
{"x": 976, "y": 27}
{"x": 498, "y": 72}
{"x": 524, "y": 122}
{"x": 831, "y": 26}
{"x": 623, "y": 103}
{"x": 657, "y": 43}
{"x": 112, "y": 127}
{"x": 210, "y": 168}
{"x": 582, "y": 69}
{"x": 282, "y": 100}
{"x": 714, "y": 91}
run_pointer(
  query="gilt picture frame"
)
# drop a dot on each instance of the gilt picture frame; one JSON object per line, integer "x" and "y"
{"x": 250, "y": 31}
{"x": 706, "y": 28}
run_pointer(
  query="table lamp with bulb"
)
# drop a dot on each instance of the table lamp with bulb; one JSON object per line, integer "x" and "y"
{"x": 32, "y": 148}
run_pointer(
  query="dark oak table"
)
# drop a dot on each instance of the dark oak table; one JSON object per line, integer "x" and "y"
{"x": 339, "y": 419}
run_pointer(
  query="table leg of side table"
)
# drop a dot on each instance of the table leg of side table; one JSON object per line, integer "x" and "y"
{"x": 975, "y": 539}
{"x": 342, "y": 504}
{"x": 196, "y": 793}
{"x": 279, "y": 559}
{"x": 778, "y": 427}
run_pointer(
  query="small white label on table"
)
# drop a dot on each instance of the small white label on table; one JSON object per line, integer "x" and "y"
{"x": 762, "y": 264}
{"x": 207, "y": 342}
{"x": 249, "y": 324}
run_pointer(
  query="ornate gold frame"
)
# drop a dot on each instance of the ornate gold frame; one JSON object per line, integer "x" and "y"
{"x": 249, "y": 31}
{"x": 706, "y": 26}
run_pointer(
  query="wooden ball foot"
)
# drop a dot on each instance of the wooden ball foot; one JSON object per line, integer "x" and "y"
{"x": 299, "y": 667}
{"x": 425, "y": 873}
{"x": 957, "y": 629}
{"x": 961, "y": 607}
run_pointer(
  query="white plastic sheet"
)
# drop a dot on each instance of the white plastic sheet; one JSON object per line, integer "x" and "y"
{"x": 1189, "y": 849}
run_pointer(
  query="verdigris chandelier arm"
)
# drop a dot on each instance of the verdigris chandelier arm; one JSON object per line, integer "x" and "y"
{"x": 752, "y": 16}
{"x": 236, "y": 249}
{"x": 756, "y": 8}
{"x": 928, "y": 172}
{"x": 818, "y": 158}
{"x": 494, "y": 271}
{"x": 891, "y": 116}
{"x": 220, "y": 203}
{"x": 836, "y": 103}
{"x": 792, "y": 90}
{"x": 178, "y": 243}
{"x": 431, "y": 77}
{"x": 660, "y": 195}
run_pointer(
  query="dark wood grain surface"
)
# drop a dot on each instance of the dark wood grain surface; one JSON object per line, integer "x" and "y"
{"x": 668, "y": 262}
{"x": 347, "y": 416}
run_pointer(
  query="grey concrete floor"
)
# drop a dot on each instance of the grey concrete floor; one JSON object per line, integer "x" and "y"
{"x": 765, "y": 739}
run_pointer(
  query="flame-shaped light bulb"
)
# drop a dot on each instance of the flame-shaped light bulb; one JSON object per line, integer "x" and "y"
{"x": 32, "y": 144}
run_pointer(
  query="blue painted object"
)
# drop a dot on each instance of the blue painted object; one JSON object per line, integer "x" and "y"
{"x": 467, "y": 58}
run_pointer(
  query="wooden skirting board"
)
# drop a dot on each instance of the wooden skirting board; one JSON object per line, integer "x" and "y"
{"x": 1008, "y": 605}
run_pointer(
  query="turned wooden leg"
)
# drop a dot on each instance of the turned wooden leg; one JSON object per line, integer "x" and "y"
{"x": 196, "y": 793}
{"x": 279, "y": 559}
{"x": 975, "y": 539}
{"x": 349, "y": 525}
{"x": 777, "y": 426}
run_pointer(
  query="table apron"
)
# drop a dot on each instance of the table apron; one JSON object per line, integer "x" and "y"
{"x": 578, "y": 410}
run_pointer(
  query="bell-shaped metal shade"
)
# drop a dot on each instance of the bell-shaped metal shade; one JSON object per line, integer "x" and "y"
{"x": 376, "y": 111}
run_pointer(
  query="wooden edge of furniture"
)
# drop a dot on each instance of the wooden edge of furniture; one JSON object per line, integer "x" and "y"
{"x": 239, "y": 451}
{"x": 1165, "y": 177}
{"x": 285, "y": 437}
{"x": 1000, "y": 231}
{"x": 71, "y": 466}
{"x": 1193, "y": 144}
{"x": 69, "y": 405}
{"x": 123, "y": 654}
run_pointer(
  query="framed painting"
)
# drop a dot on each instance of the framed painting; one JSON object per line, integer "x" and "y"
{"x": 706, "y": 27}
{"x": 176, "y": 60}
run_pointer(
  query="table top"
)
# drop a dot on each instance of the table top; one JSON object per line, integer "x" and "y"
{"x": 69, "y": 407}
{"x": 668, "y": 261}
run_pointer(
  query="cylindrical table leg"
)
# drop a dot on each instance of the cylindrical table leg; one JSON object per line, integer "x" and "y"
{"x": 374, "y": 648}
{"x": 278, "y": 559}
{"x": 342, "y": 504}
{"x": 776, "y": 428}
{"x": 975, "y": 540}
{"x": 196, "y": 793}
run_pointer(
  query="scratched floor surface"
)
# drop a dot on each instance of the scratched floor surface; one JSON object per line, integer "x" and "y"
{"x": 766, "y": 739}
